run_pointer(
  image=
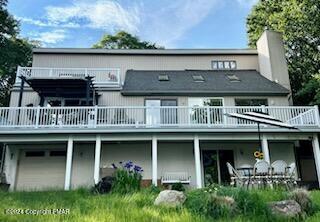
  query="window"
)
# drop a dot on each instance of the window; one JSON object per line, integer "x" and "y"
{"x": 34, "y": 153}
{"x": 233, "y": 78}
{"x": 58, "y": 153}
{"x": 227, "y": 64}
{"x": 198, "y": 78}
{"x": 251, "y": 102}
{"x": 199, "y": 113}
{"x": 199, "y": 102}
{"x": 163, "y": 77}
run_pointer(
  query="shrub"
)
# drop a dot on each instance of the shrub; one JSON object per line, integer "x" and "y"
{"x": 206, "y": 202}
{"x": 152, "y": 189}
{"x": 178, "y": 187}
{"x": 127, "y": 178}
{"x": 104, "y": 185}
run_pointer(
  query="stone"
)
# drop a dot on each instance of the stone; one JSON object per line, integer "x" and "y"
{"x": 287, "y": 208}
{"x": 171, "y": 198}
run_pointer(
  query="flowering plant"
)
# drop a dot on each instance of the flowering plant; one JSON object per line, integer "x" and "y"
{"x": 258, "y": 155}
{"x": 127, "y": 177}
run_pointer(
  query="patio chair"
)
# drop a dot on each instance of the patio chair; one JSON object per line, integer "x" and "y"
{"x": 248, "y": 171}
{"x": 236, "y": 178}
{"x": 279, "y": 171}
{"x": 261, "y": 173}
{"x": 291, "y": 175}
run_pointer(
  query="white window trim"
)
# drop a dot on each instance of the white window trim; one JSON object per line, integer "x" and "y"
{"x": 221, "y": 98}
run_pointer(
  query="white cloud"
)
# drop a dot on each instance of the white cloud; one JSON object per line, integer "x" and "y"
{"x": 169, "y": 24}
{"x": 50, "y": 37}
{"x": 42, "y": 23}
{"x": 106, "y": 15}
{"x": 164, "y": 22}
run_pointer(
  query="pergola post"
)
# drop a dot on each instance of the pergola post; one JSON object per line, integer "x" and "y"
{"x": 87, "y": 91}
{"x": 154, "y": 161}
{"x": 67, "y": 182}
{"x": 316, "y": 152}
{"x": 197, "y": 161}
{"x": 21, "y": 92}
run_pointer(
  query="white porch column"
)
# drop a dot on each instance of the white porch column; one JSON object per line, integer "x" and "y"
{"x": 67, "y": 181}
{"x": 265, "y": 149}
{"x": 155, "y": 161}
{"x": 197, "y": 161}
{"x": 316, "y": 152}
{"x": 96, "y": 174}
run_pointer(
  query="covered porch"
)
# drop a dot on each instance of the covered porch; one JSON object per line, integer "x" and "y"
{"x": 199, "y": 156}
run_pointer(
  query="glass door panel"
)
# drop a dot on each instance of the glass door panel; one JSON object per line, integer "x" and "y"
{"x": 153, "y": 112}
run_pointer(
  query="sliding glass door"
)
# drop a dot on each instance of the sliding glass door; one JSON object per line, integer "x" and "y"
{"x": 164, "y": 115}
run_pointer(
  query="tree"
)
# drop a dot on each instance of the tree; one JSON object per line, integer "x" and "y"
{"x": 14, "y": 52}
{"x": 124, "y": 40}
{"x": 298, "y": 21}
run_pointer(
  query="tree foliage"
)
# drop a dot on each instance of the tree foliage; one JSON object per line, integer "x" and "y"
{"x": 124, "y": 40}
{"x": 14, "y": 51}
{"x": 299, "y": 22}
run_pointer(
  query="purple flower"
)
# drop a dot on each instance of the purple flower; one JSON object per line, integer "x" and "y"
{"x": 128, "y": 165}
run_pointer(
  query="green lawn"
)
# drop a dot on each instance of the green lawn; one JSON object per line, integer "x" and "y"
{"x": 139, "y": 207}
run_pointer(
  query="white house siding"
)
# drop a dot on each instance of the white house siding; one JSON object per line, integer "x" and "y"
{"x": 282, "y": 151}
{"x": 138, "y": 152}
{"x": 114, "y": 98}
{"x": 176, "y": 157}
{"x": 29, "y": 97}
{"x": 141, "y": 62}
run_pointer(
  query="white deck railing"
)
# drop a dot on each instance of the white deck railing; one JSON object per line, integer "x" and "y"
{"x": 102, "y": 76}
{"x": 152, "y": 117}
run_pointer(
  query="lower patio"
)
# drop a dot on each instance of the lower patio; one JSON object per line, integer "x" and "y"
{"x": 202, "y": 158}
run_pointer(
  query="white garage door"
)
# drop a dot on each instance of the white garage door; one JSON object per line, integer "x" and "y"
{"x": 40, "y": 170}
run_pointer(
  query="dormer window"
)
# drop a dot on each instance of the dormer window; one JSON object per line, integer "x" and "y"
{"x": 198, "y": 78}
{"x": 222, "y": 65}
{"x": 233, "y": 78}
{"x": 163, "y": 77}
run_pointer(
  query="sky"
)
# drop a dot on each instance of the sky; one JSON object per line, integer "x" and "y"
{"x": 169, "y": 23}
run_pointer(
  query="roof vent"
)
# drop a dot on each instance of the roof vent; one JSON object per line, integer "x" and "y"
{"x": 198, "y": 78}
{"x": 233, "y": 78}
{"x": 163, "y": 77}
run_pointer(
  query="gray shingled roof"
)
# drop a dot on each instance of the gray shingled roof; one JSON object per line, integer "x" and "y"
{"x": 143, "y": 82}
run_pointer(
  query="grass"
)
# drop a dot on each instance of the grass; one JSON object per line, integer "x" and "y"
{"x": 85, "y": 206}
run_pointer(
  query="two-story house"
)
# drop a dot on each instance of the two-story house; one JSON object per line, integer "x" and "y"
{"x": 76, "y": 111}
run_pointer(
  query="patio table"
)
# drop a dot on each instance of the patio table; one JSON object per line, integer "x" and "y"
{"x": 246, "y": 171}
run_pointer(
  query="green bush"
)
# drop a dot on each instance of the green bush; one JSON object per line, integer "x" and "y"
{"x": 223, "y": 202}
{"x": 127, "y": 178}
{"x": 178, "y": 187}
{"x": 152, "y": 189}
{"x": 204, "y": 202}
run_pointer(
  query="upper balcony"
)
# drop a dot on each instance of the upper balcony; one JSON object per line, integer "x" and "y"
{"x": 173, "y": 118}
{"x": 106, "y": 77}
